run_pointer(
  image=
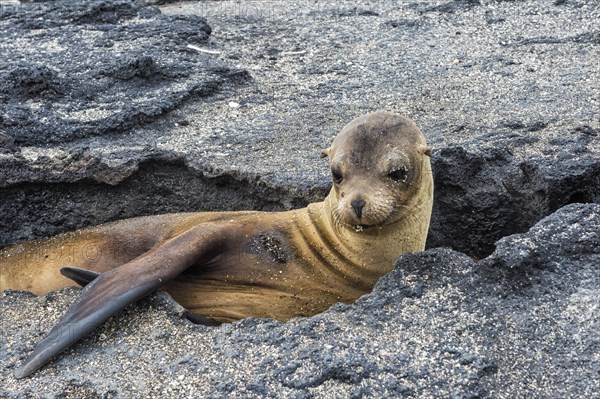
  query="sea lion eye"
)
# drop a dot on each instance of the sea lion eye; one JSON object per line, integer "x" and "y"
{"x": 398, "y": 174}
{"x": 337, "y": 176}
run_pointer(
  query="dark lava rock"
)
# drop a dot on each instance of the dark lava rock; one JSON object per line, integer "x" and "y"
{"x": 78, "y": 69}
{"x": 114, "y": 110}
{"x": 483, "y": 194}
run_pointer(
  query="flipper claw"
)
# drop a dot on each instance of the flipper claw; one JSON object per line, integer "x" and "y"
{"x": 81, "y": 276}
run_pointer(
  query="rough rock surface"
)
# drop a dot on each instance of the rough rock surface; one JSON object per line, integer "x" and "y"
{"x": 506, "y": 93}
{"x": 523, "y": 322}
{"x": 110, "y": 109}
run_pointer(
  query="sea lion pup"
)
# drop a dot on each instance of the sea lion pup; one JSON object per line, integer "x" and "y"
{"x": 226, "y": 266}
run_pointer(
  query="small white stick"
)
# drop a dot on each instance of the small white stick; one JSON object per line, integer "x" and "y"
{"x": 293, "y": 52}
{"x": 203, "y": 50}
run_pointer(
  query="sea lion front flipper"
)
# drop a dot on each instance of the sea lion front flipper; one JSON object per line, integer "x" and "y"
{"x": 112, "y": 291}
{"x": 81, "y": 276}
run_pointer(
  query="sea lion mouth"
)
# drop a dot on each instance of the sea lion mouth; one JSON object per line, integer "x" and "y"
{"x": 359, "y": 227}
{"x": 364, "y": 227}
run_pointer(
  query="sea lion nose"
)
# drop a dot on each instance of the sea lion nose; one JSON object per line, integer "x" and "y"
{"x": 358, "y": 206}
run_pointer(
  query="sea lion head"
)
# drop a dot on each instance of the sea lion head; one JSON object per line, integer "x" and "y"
{"x": 380, "y": 166}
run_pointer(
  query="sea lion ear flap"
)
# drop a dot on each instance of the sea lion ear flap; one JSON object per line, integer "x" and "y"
{"x": 325, "y": 153}
{"x": 426, "y": 150}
